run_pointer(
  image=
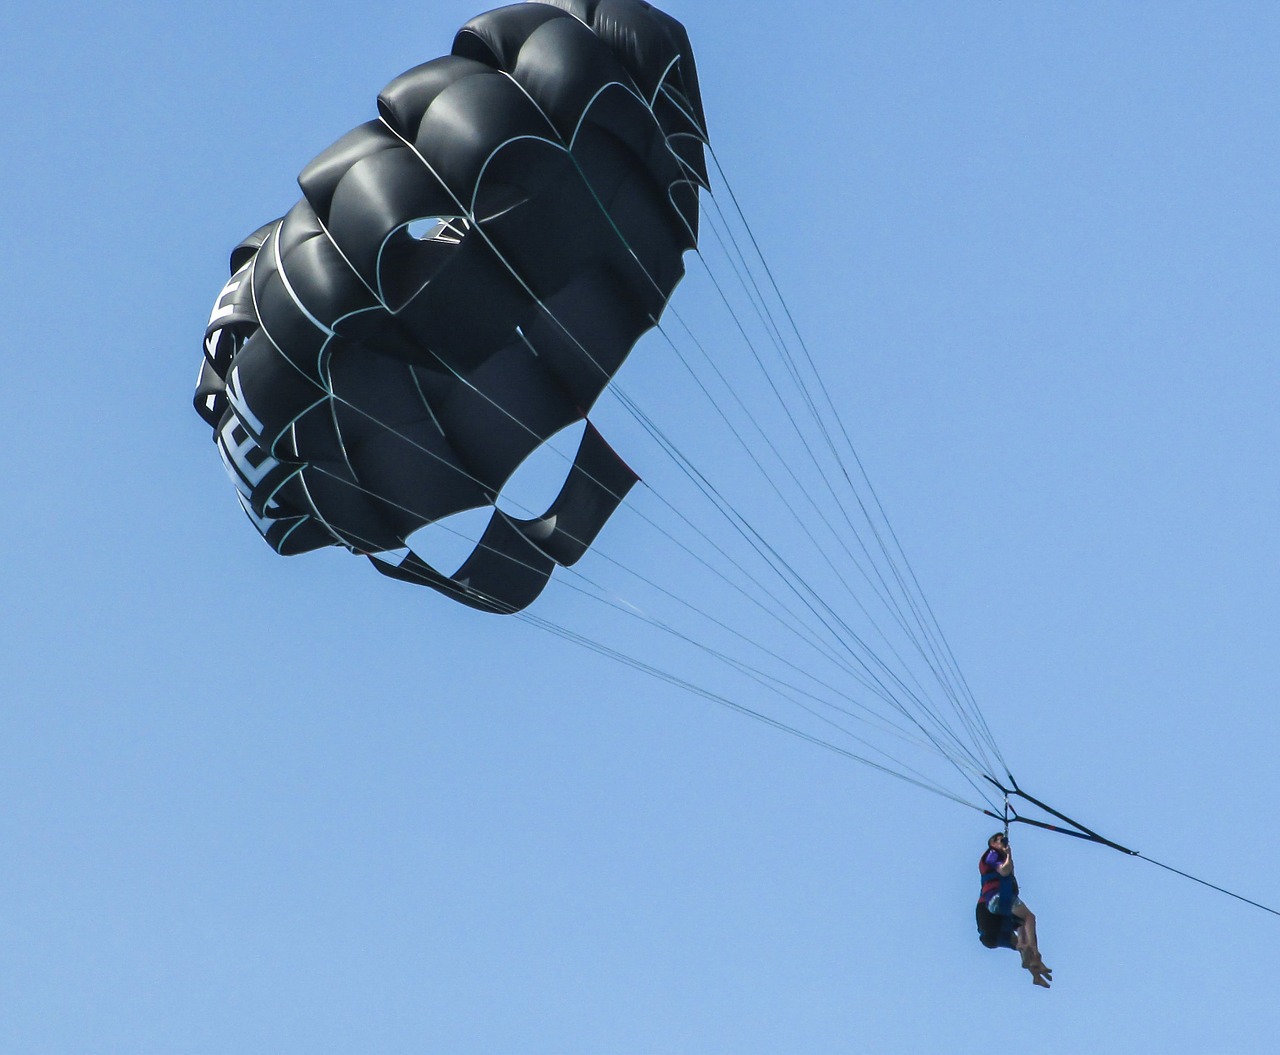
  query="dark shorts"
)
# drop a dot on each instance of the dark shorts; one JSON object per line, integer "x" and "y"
{"x": 995, "y": 931}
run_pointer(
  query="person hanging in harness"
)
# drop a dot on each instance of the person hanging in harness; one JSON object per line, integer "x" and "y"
{"x": 1004, "y": 921}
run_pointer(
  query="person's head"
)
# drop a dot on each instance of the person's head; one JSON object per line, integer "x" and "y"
{"x": 999, "y": 841}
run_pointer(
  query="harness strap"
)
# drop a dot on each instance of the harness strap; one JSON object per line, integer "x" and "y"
{"x": 1076, "y": 831}
{"x": 1079, "y": 831}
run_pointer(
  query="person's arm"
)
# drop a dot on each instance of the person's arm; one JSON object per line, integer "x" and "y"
{"x": 1005, "y": 867}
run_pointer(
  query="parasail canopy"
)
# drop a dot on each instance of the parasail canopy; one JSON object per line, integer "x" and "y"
{"x": 460, "y": 281}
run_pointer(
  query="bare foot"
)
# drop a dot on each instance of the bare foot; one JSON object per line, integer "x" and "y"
{"x": 1040, "y": 980}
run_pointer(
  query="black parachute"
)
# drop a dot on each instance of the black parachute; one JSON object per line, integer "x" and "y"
{"x": 460, "y": 281}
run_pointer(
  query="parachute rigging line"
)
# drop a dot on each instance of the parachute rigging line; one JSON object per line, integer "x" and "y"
{"x": 879, "y": 586}
{"x": 930, "y": 624}
{"x": 914, "y": 595}
{"x": 760, "y": 677}
{"x": 930, "y": 627}
{"x": 789, "y": 573}
{"x": 826, "y": 616}
{"x": 773, "y": 486}
{"x": 737, "y": 707}
{"x": 918, "y": 780}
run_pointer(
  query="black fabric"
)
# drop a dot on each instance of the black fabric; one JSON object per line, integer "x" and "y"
{"x": 504, "y": 573}
{"x": 995, "y": 931}
{"x": 596, "y": 485}
{"x": 461, "y": 280}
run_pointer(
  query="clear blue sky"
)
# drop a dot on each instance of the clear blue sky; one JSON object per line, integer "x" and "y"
{"x": 258, "y": 805}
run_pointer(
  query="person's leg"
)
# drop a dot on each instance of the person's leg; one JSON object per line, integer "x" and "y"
{"x": 1040, "y": 974}
{"x": 1029, "y": 945}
